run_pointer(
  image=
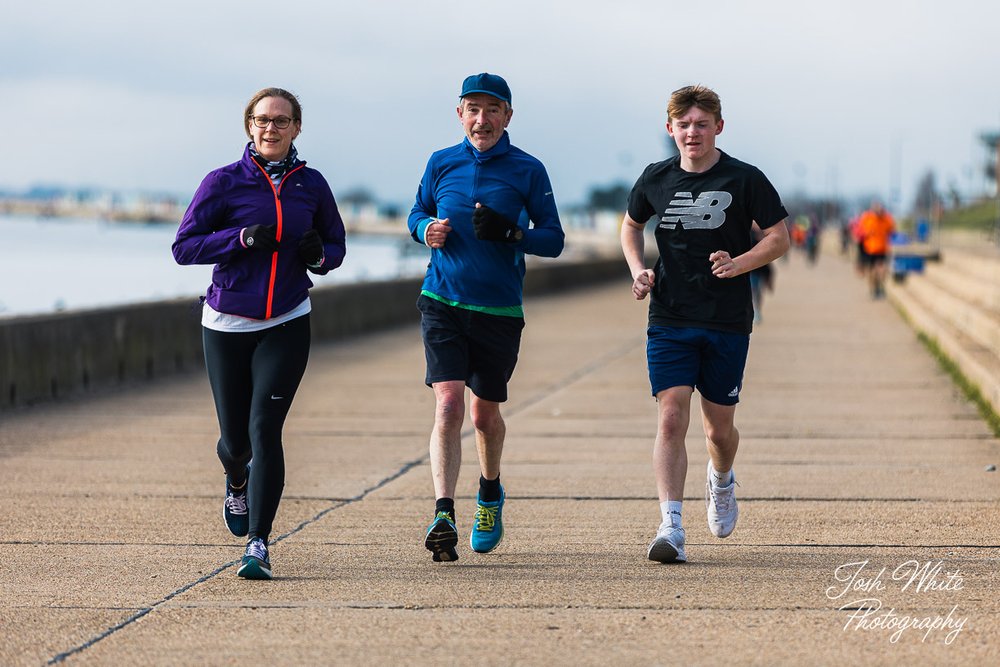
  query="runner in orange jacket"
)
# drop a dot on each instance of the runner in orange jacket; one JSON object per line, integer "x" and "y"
{"x": 875, "y": 229}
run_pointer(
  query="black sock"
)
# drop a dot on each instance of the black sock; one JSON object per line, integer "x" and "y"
{"x": 242, "y": 485}
{"x": 489, "y": 489}
{"x": 445, "y": 505}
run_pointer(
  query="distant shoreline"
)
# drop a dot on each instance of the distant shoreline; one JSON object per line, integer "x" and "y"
{"x": 143, "y": 212}
{"x": 592, "y": 231}
{"x": 165, "y": 214}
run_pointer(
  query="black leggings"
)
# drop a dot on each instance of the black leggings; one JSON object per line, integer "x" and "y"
{"x": 254, "y": 376}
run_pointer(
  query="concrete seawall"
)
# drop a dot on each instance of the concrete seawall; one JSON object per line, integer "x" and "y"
{"x": 55, "y": 356}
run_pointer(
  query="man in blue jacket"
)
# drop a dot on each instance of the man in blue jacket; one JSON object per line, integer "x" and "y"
{"x": 473, "y": 209}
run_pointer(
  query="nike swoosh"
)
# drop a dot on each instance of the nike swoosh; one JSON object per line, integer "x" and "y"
{"x": 276, "y": 398}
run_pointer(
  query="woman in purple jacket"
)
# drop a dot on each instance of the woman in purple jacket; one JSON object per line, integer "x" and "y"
{"x": 264, "y": 221}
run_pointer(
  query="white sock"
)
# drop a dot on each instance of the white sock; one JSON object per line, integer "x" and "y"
{"x": 721, "y": 479}
{"x": 670, "y": 510}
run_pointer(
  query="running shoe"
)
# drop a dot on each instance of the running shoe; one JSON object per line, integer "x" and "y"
{"x": 668, "y": 545}
{"x": 722, "y": 508}
{"x": 256, "y": 563}
{"x": 234, "y": 508}
{"x": 487, "y": 529}
{"x": 442, "y": 538}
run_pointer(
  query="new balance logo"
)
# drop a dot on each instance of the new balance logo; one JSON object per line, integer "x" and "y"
{"x": 706, "y": 212}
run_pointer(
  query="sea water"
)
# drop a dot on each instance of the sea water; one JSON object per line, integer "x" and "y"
{"x": 54, "y": 264}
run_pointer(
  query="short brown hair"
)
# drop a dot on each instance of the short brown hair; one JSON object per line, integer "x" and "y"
{"x": 682, "y": 99}
{"x": 271, "y": 92}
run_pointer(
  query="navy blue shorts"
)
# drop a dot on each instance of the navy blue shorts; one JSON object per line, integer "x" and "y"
{"x": 463, "y": 344}
{"x": 710, "y": 361}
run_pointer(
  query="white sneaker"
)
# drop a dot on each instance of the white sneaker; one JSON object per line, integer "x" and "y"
{"x": 668, "y": 546}
{"x": 722, "y": 508}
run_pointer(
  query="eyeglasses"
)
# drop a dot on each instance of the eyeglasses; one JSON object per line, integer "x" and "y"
{"x": 281, "y": 122}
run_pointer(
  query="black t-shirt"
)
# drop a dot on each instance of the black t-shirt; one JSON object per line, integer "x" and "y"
{"x": 698, "y": 214}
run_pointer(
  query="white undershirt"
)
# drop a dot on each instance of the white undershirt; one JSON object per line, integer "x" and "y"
{"x": 216, "y": 321}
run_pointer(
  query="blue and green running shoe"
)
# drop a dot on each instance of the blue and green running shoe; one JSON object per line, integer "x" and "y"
{"x": 487, "y": 529}
{"x": 256, "y": 563}
{"x": 442, "y": 538}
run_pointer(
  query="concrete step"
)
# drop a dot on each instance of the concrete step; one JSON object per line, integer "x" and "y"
{"x": 978, "y": 285}
{"x": 981, "y": 325}
{"x": 982, "y": 271}
{"x": 939, "y": 305}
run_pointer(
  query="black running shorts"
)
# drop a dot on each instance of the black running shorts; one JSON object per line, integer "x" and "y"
{"x": 462, "y": 344}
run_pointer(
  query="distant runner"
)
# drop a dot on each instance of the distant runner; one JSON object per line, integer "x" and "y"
{"x": 875, "y": 228}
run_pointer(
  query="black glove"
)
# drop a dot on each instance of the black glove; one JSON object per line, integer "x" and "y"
{"x": 491, "y": 226}
{"x": 311, "y": 248}
{"x": 259, "y": 237}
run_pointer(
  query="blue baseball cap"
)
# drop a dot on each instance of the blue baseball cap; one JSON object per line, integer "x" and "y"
{"x": 491, "y": 84}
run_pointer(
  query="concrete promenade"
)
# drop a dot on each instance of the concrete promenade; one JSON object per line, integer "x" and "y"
{"x": 861, "y": 467}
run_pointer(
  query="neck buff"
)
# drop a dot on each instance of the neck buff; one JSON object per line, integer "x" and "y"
{"x": 276, "y": 170}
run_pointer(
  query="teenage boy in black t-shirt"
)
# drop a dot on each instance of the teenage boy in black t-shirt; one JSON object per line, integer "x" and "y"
{"x": 704, "y": 204}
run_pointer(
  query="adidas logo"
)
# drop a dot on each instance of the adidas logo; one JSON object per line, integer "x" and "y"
{"x": 735, "y": 392}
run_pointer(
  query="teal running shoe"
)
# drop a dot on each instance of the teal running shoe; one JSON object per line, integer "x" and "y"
{"x": 487, "y": 529}
{"x": 442, "y": 538}
{"x": 256, "y": 563}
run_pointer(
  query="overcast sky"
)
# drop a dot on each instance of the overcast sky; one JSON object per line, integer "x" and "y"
{"x": 845, "y": 97}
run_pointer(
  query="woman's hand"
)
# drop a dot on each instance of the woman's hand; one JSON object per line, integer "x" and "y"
{"x": 259, "y": 237}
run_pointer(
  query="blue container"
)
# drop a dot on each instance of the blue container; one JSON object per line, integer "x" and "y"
{"x": 907, "y": 264}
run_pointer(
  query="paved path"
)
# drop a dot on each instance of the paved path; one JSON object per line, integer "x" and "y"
{"x": 855, "y": 449}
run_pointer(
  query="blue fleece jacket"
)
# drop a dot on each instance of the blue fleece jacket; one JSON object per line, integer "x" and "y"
{"x": 508, "y": 180}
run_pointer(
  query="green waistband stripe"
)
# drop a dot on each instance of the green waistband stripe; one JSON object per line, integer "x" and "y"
{"x": 503, "y": 311}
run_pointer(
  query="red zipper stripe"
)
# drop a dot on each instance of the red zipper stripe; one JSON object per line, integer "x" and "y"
{"x": 274, "y": 256}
